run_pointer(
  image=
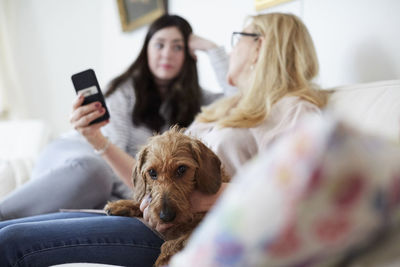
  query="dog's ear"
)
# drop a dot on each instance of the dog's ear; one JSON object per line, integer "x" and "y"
{"x": 208, "y": 175}
{"x": 138, "y": 179}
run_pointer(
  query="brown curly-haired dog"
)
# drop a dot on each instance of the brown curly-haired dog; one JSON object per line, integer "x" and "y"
{"x": 168, "y": 169}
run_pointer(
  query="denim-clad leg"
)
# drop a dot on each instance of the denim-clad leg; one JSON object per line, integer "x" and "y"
{"x": 77, "y": 237}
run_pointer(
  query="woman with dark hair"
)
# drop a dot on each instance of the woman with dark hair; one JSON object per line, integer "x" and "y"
{"x": 158, "y": 90}
{"x": 184, "y": 93}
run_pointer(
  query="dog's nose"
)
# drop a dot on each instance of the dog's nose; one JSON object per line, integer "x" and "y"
{"x": 167, "y": 214}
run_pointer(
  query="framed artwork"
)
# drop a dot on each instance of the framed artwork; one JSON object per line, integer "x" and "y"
{"x": 263, "y": 4}
{"x": 136, "y": 13}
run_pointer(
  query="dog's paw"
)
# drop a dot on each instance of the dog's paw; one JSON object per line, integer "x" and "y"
{"x": 122, "y": 208}
{"x": 111, "y": 209}
{"x": 117, "y": 210}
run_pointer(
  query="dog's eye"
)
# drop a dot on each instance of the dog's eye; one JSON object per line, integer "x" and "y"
{"x": 153, "y": 174}
{"x": 181, "y": 170}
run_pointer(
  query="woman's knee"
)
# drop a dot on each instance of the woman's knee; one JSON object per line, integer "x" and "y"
{"x": 10, "y": 234}
{"x": 11, "y": 238}
{"x": 85, "y": 181}
{"x": 92, "y": 171}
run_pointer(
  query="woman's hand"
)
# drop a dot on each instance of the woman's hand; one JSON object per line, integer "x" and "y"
{"x": 155, "y": 224}
{"x": 80, "y": 119}
{"x": 199, "y": 43}
{"x": 201, "y": 202}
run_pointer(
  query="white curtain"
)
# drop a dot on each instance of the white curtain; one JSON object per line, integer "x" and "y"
{"x": 11, "y": 97}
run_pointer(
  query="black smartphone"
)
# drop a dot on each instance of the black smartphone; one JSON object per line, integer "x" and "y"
{"x": 86, "y": 83}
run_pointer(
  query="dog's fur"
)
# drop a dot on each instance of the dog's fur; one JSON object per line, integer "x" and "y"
{"x": 168, "y": 169}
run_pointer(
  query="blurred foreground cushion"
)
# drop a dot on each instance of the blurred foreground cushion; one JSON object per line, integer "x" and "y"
{"x": 323, "y": 194}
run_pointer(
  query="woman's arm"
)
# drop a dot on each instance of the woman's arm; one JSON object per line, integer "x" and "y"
{"x": 218, "y": 58}
{"x": 199, "y": 43}
{"x": 121, "y": 162}
{"x": 220, "y": 63}
{"x": 81, "y": 116}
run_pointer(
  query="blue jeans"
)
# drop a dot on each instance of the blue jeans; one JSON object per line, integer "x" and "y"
{"x": 68, "y": 237}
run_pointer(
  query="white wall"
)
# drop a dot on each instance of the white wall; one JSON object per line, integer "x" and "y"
{"x": 52, "y": 40}
{"x": 356, "y": 41}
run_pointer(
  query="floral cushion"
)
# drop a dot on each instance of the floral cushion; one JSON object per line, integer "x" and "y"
{"x": 321, "y": 195}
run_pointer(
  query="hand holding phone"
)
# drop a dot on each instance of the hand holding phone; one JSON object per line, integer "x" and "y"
{"x": 86, "y": 83}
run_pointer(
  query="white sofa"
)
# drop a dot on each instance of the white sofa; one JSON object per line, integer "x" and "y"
{"x": 372, "y": 107}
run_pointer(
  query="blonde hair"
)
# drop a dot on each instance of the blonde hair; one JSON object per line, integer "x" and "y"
{"x": 286, "y": 65}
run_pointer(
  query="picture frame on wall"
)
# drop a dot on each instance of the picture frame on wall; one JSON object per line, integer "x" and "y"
{"x": 136, "y": 13}
{"x": 263, "y": 4}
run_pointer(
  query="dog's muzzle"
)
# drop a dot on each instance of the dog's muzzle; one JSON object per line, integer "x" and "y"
{"x": 167, "y": 213}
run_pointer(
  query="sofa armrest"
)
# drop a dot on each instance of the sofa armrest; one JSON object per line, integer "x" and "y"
{"x": 20, "y": 143}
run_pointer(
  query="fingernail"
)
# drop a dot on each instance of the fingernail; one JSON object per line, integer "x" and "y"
{"x": 97, "y": 105}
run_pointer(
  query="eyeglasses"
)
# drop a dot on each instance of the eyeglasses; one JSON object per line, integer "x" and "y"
{"x": 236, "y": 37}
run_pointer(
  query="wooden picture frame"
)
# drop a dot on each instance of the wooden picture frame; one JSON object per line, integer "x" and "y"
{"x": 136, "y": 13}
{"x": 263, "y": 4}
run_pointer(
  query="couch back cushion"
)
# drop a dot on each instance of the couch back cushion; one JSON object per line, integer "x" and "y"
{"x": 372, "y": 107}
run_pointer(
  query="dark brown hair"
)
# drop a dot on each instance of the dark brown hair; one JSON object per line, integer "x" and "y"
{"x": 184, "y": 94}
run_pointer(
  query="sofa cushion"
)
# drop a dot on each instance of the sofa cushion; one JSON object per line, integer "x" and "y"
{"x": 372, "y": 107}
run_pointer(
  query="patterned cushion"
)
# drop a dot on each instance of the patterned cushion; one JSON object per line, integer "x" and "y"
{"x": 322, "y": 194}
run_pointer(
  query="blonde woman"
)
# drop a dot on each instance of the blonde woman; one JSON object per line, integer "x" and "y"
{"x": 272, "y": 63}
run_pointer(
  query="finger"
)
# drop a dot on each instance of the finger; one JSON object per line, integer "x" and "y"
{"x": 193, "y": 54}
{"x": 191, "y": 40}
{"x": 81, "y": 111}
{"x": 145, "y": 202}
{"x": 78, "y": 101}
{"x": 162, "y": 227}
{"x": 91, "y": 112}
{"x": 152, "y": 223}
{"x": 91, "y": 129}
{"x": 146, "y": 216}
{"x": 193, "y": 46}
{"x": 85, "y": 120}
